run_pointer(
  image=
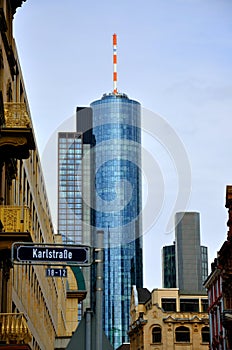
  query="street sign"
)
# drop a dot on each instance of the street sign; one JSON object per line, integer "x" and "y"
{"x": 54, "y": 272}
{"x": 51, "y": 253}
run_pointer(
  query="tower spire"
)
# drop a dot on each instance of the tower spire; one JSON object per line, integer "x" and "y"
{"x": 115, "y": 77}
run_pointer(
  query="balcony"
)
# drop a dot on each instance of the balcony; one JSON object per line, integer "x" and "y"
{"x": 14, "y": 330}
{"x": 16, "y": 225}
{"x": 16, "y": 136}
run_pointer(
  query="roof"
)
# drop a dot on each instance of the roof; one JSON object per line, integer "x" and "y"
{"x": 143, "y": 295}
{"x": 78, "y": 340}
{"x": 125, "y": 346}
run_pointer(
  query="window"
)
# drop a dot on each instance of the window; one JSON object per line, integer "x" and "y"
{"x": 182, "y": 334}
{"x": 189, "y": 305}
{"x": 169, "y": 304}
{"x": 156, "y": 334}
{"x": 205, "y": 335}
{"x": 204, "y": 263}
{"x": 204, "y": 305}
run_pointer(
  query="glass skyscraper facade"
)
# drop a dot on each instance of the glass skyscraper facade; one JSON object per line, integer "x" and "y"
{"x": 116, "y": 127}
{"x": 169, "y": 266}
{"x": 70, "y": 187}
{"x": 99, "y": 188}
{"x": 204, "y": 263}
{"x": 75, "y": 189}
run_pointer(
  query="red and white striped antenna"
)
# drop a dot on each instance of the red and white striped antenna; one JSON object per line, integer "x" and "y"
{"x": 115, "y": 75}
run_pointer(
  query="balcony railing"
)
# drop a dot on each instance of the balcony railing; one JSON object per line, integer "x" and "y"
{"x": 16, "y": 225}
{"x": 14, "y": 329}
{"x": 17, "y": 137}
{"x": 16, "y": 115}
{"x": 15, "y": 218}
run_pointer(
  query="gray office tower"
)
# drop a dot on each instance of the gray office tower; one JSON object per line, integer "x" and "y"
{"x": 185, "y": 263}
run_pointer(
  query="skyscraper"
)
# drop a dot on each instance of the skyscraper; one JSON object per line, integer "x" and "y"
{"x": 70, "y": 148}
{"x": 185, "y": 263}
{"x": 117, "y": 159}
{"x": 100, "y": 189}
{"x": 75, "y": 219}
{"x": 116, "y": 127}
{"x": 169, "y": 266}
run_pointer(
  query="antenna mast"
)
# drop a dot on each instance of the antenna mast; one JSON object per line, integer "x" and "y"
{"x": 115, "y": 77}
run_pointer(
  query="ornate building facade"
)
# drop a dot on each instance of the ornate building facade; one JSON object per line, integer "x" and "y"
{"x": 36, "y": 312}
{"x": 166, "y": 319}
{"x": 219, "y": 286}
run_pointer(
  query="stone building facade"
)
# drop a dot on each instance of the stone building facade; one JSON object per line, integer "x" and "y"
{"x": 167, "y": 320}
{"x": 36, "y": 312}
{"x": 219, "y": 286}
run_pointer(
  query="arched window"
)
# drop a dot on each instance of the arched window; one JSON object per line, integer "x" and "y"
{"x": 182, "y": 334}
{"x": 156, "y": 334}
{"x": 205, "y": 334}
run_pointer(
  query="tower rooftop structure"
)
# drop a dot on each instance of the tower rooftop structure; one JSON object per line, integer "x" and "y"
{"x": 112, "y": 94}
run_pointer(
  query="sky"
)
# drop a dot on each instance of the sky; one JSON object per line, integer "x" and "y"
{"x": 174, "y": 57}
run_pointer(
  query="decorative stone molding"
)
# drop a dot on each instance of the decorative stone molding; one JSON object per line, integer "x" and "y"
{"x": 16, "y": 115}
{"x": 15, "y": 4}
{"x": 189, "y": 318}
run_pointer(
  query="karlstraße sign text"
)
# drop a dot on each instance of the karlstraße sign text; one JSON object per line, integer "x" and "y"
{"x": 77, "y": 255}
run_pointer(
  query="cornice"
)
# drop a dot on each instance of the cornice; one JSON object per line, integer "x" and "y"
{"x": 15, "y": 4}
{"x": 76, "y": 294}
{"x": 181, "y": 318}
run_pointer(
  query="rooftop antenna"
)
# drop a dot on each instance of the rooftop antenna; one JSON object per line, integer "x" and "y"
{"x": 115, "y": 77}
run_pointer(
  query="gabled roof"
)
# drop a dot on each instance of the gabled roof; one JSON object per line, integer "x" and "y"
{"x": 143, "y": 295}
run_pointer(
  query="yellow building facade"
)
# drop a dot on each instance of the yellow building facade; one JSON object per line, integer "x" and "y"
{"x": 162, "y": 320}
{"x": 36, "y": 312}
